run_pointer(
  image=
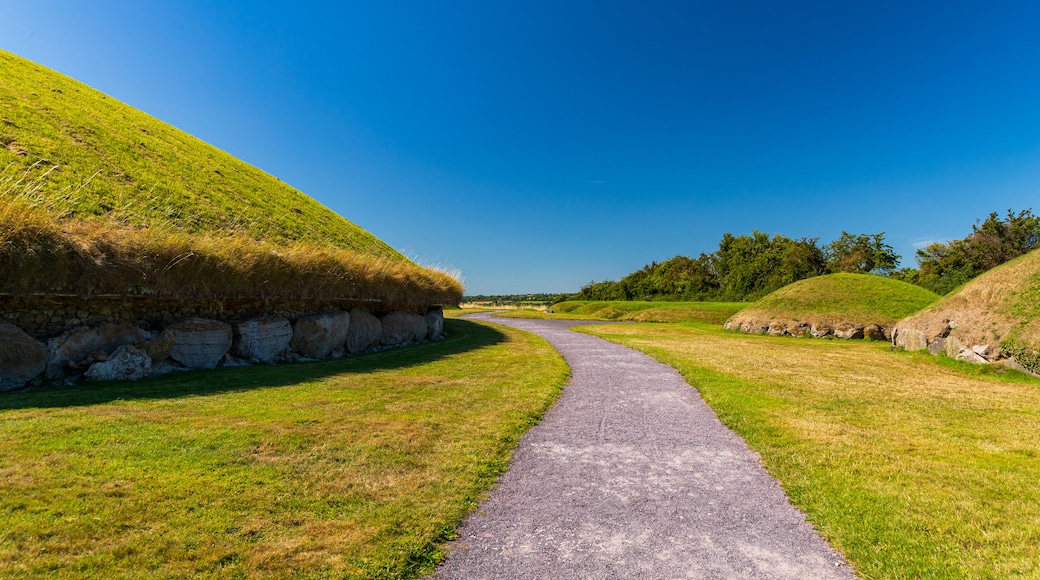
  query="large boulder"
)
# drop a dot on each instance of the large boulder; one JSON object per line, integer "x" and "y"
{"x": 403, "y": 328}
{"x": 434, "y": 323}
{"x": 76, "y": 344}
{"x": 318, "y": 335}
{"x": 910, "y": 339}
{"x": 127, "y": 363}
{"x": 199, "y": 343}
{"x": 22, "y": 358}
{"x": 261, "y": 339}
{"x": 364, "y": 332}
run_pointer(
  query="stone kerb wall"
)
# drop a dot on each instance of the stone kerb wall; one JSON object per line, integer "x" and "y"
{"x": 67, "y": 339}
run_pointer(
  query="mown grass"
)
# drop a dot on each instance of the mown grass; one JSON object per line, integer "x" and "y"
{"x": 854, "y": 298}
{"x": 910, "y": 467}
{"x": 635, "y": 311}
{"x": 350, "y": 468}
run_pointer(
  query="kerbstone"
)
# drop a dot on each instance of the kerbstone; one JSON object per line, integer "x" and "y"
{"x": 22, "y": 358}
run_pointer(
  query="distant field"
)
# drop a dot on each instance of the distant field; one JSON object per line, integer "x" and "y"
{"x": 709, "y": 312}
{"x": 911, "y": 466}
{"x": 350, "y": 468}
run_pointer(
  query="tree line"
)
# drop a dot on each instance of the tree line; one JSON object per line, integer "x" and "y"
{"x": 747, "y": 267}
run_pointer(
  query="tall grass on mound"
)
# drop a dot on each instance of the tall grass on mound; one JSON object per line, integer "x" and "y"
{"x": 910, "y": 468}
{"x": 41, "y": 254}
{"x": 836, "y": 298}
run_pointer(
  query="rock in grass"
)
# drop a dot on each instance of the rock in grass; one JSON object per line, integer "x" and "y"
{"x": 874, "y": 332}
{"x": 821, "y": 330}
{"x": 127, "y": 363}
{"x": 434, "y": 323}
{"x": 76, "y": 344}
{"x": 318, "y": 335}
{"x": 910, "y": 339}
{"x": 403, "y": 328}
{"x": 22, "y": 358}
{"x": 261, "y": 339}
{"x": 364, "y": 331}
{"x": 848, "y": 330}
{"x": 199, "y": 343}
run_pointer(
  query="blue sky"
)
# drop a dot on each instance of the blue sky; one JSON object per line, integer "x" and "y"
{"x": 537, "y": 146}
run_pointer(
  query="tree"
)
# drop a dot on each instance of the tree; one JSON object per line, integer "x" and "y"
{"x": 945, "y": 266}
{"x": 861, "y": 254}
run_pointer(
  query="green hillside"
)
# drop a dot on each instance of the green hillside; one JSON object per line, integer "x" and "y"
{"x": 89, "y": 185}
{"x": 839, "y": 298}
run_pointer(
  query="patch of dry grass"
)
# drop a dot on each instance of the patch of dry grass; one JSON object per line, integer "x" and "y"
{"x": 908, "y": 467}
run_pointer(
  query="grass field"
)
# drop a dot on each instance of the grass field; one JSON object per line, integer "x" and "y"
{"x": 911, "y": 466}
{"x": 635, "y": 311}
{"x": 350, "y": 468}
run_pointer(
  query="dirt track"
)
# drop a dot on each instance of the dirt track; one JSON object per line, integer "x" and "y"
{"x": 631, "y": 475}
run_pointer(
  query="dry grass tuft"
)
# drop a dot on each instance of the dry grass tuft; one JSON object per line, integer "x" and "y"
{"x": 40, "y": 254}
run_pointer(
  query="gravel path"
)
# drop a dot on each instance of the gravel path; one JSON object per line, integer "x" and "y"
{"x": 631, "y": 475}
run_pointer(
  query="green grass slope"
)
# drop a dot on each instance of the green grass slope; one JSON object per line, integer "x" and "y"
{"x": 634, "y": 311}
{"x": 98, "y": 197}
{"x": 115, "y": 161}
{"x": 858, "y": 299}
{"x": 1000, "y": 308}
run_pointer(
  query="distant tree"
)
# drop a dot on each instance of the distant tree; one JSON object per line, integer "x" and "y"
{"x": 861, "y": 254}
{"x": 749, "y": 267}
{"x": 945, "y": 266}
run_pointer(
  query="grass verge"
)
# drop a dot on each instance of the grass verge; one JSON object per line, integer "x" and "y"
{"x": 350, "y": 468}
{"x": 635, "y": 311}
{"x": 909, "y": 467}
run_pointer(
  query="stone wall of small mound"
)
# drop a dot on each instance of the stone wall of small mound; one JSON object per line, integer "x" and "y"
{"x": 67, "y": 340}
{"x": 954, "y": 338}
{"x": 811, "y": 328}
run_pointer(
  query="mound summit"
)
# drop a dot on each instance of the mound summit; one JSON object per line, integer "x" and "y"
{"x": 842, "y": 305}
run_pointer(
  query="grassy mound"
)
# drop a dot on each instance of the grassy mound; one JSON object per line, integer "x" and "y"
{"x": 634, "y": 311}
{"x": 999, "y": 308}
{"x": 857, "y": 299}
{"x": 96, "y": 196}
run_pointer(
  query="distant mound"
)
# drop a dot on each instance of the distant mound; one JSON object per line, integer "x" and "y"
{"x": 98, "y": 197}
{"x": 842, "y": 305}
{"x": 995, "y": 316}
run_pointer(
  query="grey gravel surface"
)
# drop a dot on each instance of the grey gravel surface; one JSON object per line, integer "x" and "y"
{"x": 631, "y": 475}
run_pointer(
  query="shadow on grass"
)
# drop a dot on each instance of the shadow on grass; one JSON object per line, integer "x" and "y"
{"x": 463, "y": 336}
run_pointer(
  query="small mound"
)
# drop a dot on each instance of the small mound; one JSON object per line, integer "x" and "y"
{"x": 991, "y": 318}
{"x": 842, "y": 305}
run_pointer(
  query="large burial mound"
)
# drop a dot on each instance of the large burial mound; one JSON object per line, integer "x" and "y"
{"x": 994, "y": 317}
{"x": 129, "y": 248}
{"x": 840, "y": 305}
{"x": 97, "y": 197}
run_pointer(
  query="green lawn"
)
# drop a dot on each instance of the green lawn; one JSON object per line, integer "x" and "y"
{"x": 636, "y": 311}
{"x": 911, "y": 466}
{"x": 349, "y": 468}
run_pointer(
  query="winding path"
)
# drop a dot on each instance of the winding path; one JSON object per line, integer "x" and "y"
{"x": 631, "y": 475}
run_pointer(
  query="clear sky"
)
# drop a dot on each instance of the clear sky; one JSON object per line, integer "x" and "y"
{"x": 537, "y": 146}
